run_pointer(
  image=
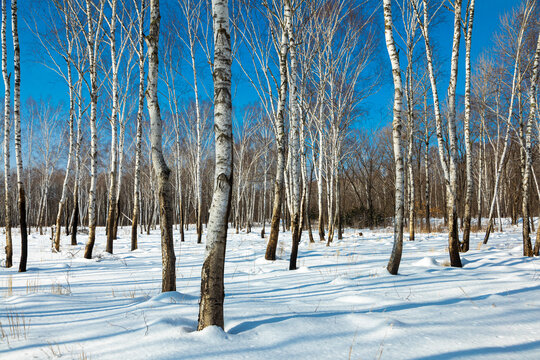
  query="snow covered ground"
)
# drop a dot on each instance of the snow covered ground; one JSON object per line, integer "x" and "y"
{"x": 340, "y": 304}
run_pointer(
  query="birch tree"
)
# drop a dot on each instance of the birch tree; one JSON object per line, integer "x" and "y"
{"x": 92, "y": 37}
{"x": 118, "y": 109}
{"x": 464, "y": 246}
{"x": 212, "y": 282}
{"x": 279, "y": 126}
{"x": 271, "y": 88}
{"x": 158, "y": 160}
{"x": 18, "y": 146}
{"x": 294, "y": 142}
{"x": 395, "y": 258}
{"x": 516, "y": 79}
{"x": 7, "y": 138}
{"x": 64, "y": 43}
{"x": 111, "y": 218}
{"x": 448, "y": 162}
{"x": 528, "y": 151}
{"x": 140, "y": 109}
{"x": 192, "y": 13}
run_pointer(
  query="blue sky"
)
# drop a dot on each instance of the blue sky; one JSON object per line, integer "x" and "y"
{"x": 40, "y": 82}
{"x": 486, "y": 23}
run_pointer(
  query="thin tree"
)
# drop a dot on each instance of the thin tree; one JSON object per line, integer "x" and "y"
{"x": 113, "y": 201}
{"x": 212, "y": 282}
{"x": 294, "y": 143}
{"x": 7, "y": 139}
{"x": 161, "y": 169}
{"x": 395, "y": 258}
{"x": 192, "y": 13}
{"x": 279, "y": 128}
{"x": 516, "y": 79}
{"x": 66, "y": 52}
{"x": 448, "y": 161}
{"x": 464, "y": 246}
{"x": 532, "y": 116}
{"x": 138, "y": 141}
{"x": 92, "y": 37}
{"x": 17, "y": 123}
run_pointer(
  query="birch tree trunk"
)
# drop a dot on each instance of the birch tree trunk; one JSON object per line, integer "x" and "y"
{"x": 198, "y": 181}
{"x": 320, "y": 183}
{"x": 138, "y": 141}
{"x": 17, "y": 123}
{"x": 410, "y": 35}
{"x": 280, "y": 144}
{"x": 480, "y": 173}
{"x": 527, "y": 251}
{"x": 264, "y": 195}
{"x": 448, "y": 165}
{"x": 161, "y": 169}
{"x": 453, "y": 236}
{"x": 464, "y": 246}
{"x": 395, "y": 258}
{"x": 212, "y": 282}
{"x": 71, "y": 89}
{"x": 426, "y": 167}
{"x": 92, "y": 40}
{"x": 75, "y": 216}
{"x": 294, "y": 146}
{"x": 7, "y": 138}
{"x": 501, "y": 162}
{"x": 114, "y": 132}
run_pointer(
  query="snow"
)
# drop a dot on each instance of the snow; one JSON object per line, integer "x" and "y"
{"x": 340, "y": 304}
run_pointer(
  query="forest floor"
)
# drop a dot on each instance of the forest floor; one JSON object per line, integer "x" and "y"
{"x": 340, "y": 304}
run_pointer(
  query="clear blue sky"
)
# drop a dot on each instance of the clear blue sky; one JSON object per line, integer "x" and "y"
{"x": 40, "y": 82}
{"x": 486, "y": 23}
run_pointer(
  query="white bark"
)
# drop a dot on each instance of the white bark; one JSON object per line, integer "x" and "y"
{"x": 158, "y": 160}
{"x": 7, "y": 138}
{"x": 111, "y": 218}
{"x": 448, "y": 163}
{"x": 279, "y": 120}
{"x": 527, "y": 250}
{"x": 92, "y": 36}
{"x": 138, "y": 141}
{"x": 212, "y": 282}
{"x": 464, "y": 246}
{"x": 71, "y": 89}
{"x": 294, "y": 142}
{"x": 17, "y": 125}
{"x": 516, "y": 79}
{"x": 395, "y": 258}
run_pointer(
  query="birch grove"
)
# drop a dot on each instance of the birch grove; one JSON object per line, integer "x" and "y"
{"x": 265, "y": 113}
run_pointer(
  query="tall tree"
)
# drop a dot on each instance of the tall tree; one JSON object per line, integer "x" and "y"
{"x": 294, "y": 143}
{"x": 17, "y": 123}
{"x": 279, "y": 128}
{"x": 212, "y": 282}
{"x": 113, "y": 201}
{"x": 516, "y": 80}
{"x": 192, "y": 13}
{"x": 93, "y": 38}
{"x": 67, "y": 57}
{"x": 140, "y": 108}
{"x": 464, "y": 246}
{"x": 448, "y": 161}
{"x": 161, "y": 169}
{"x": 532, "y": 116}
{"x": 7, "y": 138}
{"x": 395, "y": 258}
